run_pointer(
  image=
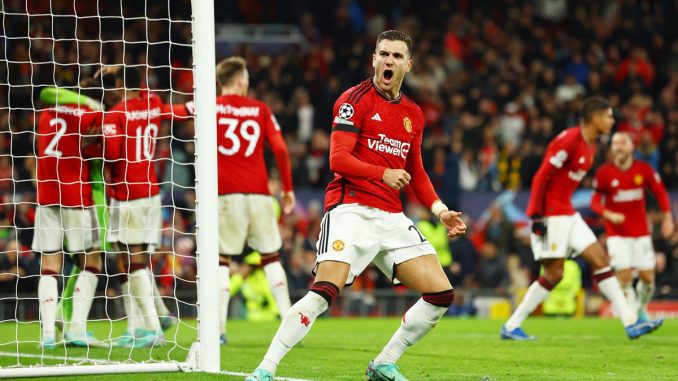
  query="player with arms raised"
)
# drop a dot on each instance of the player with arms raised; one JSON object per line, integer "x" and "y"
{"x": 558, "y": 230}
{"x": 375, "y": 152}
{"x": 620, "y": 199}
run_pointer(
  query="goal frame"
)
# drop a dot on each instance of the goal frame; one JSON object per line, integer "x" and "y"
{"x": 204, "y": 354}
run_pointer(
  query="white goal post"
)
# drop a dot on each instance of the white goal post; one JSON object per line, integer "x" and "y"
{"x": 204, "y": 352}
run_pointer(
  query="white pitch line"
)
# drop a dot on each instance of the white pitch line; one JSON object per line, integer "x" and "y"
{"x": 108, "y": 362}
{"x": 275, "y": 378}
{"x": 60, "y": 358}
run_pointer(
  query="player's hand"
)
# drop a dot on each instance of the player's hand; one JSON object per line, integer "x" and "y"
{"x": 614, "y": 217}
{"x": 538, "y": 226}
{"x": 453, "y": 222}
{"x": 396, "y": 178}
{"x": 288, "y": 201}
{"x": 667, "y": 226}
{"x": 92, "y": 136}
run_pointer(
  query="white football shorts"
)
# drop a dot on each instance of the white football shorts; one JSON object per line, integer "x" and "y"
{"x": 631, "y": 252}
{"x": 135, "y": 222}
{"x": 248, "y": 218}
{"x": 79, "y": 226}
{"x": 566, "y": 237}
{"x": 360, "y": 235}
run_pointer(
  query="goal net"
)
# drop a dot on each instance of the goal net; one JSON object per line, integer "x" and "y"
{"x": 107, "y": 240}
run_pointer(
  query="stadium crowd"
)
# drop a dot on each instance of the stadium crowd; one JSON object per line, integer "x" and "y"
{"x": 496, "y": 84}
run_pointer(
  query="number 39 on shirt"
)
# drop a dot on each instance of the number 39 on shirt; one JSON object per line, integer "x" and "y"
{"x": 249, "y": 130}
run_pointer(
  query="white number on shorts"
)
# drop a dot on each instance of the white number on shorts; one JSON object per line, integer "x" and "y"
{"x": 146, "y": 141}
{"x": 249, "y": 130}
{"x": 51, "y": 149}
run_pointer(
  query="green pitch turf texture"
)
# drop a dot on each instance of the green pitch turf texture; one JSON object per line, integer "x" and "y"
{"x": 458, "y": 349}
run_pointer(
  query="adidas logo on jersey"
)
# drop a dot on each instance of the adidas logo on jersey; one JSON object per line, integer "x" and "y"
{"x": 376, "y": 117}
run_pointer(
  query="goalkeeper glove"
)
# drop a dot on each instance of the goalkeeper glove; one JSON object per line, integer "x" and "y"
{"x": 538, "y": 225}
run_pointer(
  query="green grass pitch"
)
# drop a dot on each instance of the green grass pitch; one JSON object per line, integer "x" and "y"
{"x": 458, "y": 349}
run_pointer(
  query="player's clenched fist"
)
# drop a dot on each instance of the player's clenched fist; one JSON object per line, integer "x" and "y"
{"x": 396, "y": 178}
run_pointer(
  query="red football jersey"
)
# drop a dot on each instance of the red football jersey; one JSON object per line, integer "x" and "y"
{"x": 63, "y": 176}
{"x": 385, "y": 133}
{"x": 243, "y": 126}
{"x": 567, "y": 160}
{"x": 623, "y": 191}
{"x": 130, "y": 130}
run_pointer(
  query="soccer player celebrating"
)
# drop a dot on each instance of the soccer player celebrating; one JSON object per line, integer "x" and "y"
{"x": 65, "y": 210}
{"x": 558, "y": 230}
{"x": 620, "y": 199}
{"x": 375, "y": 152}
{"x": 247, "y": 212}
{"x": 129, "y": 137}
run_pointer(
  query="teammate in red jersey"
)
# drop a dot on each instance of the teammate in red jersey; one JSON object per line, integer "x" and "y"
{"x": 559, "y": 231}
{"x": 620, "y": 199}
{"x": 375, "y": 152}
{"x": 65, "y": 210}
{"x": 246, "y": 209}
{"x": 129, "y": 137}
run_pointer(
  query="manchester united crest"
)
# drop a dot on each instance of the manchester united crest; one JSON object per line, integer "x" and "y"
{"x": 638, "y": 179}
{"x": 407, "y": 123}
{"x": 338, "y": 245}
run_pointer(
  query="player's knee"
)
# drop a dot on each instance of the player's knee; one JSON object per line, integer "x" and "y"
{"x": 440, "y": 299}
{"x": 549, "y": 282}
{"x": 327, "y": 290}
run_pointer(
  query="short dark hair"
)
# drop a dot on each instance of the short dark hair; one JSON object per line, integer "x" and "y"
{"x": 593, "y": 106}
{"x": 396, "y": 35}
{"x": 229, "y": 68}
{"x": 130, "y": 77}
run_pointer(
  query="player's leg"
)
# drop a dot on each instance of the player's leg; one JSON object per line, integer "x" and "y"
{"x": 537, "y": 292}
{"x": 132, "y": 309}
{"x": 264, "y": 237}
{"x": 83, "y": 238}
{"x": 277, "y": 281}
{"x": 64, "y": 311}
{"x": 141, "y": 289}
{"x": 625, "y": 278}
{"x": 296, "y": 324}
{"x": 610, "y": 287}
{"x": 620, "y": 250}
{"x": 425, "y": 275}
{"x": 550, "y": 251}
{"x": 608, "y": 283}
{"x": 48, "y": 240}
{"x": 644, "y": 261}
{"x": 645, "y": 289}
{"x": 83, "y": 294}
{"x": 345, "y": 248}
{"x": 166, "y": 320}
{"x": 224, "y": 295}
{"x": 48, "y": 295}
{"x": 234, "y": 223}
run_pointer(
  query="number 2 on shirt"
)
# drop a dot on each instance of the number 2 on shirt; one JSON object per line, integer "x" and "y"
{"x": 249, "y": 130}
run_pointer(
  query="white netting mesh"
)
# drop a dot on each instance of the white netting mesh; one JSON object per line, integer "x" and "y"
{"x": 60, "y": 44}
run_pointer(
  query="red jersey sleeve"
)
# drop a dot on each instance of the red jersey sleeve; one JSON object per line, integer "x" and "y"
{"x": 420, "y": 182}
{"x": 178, "y": 111}
{"x": 278, "y": 147}
{"x": 113, "y": 136}
{"x": 599, "y": 190}
{"x": 91, "y": 148}
{"x": 557, "y": 154}
{"x": 657, "y": 187}
{"x": 348, "y": 116}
